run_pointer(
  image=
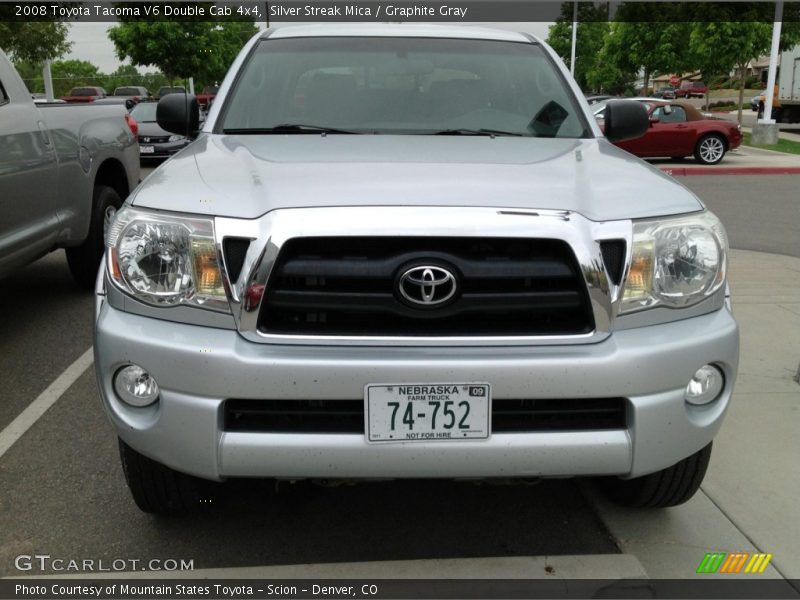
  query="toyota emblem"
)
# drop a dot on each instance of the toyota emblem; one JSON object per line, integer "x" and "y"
{"x": 427, "y": 286}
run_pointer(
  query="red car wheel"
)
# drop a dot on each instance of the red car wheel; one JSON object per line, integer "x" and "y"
{"x": 710, "y": 149}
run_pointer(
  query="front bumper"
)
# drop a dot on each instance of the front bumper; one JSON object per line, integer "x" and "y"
{"x": 735, "y": 140}
{"x": 197, "y": 368}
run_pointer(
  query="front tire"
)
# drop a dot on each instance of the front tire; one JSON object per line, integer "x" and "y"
{"x": 710, "y": 149}
{"x": 669, "y": 487}
{"x": 159, "y": 490}
{"x": 84, "y": 260}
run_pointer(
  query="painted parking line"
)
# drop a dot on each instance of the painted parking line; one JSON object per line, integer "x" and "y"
{"x": 17, "y": 428}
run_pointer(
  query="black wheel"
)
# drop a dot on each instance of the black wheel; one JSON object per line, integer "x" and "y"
{"x": 84, "y": 260}
{"x": 669, "y": 487}
{"x": 710, "y": 149}
{"x": 160, "y": 490}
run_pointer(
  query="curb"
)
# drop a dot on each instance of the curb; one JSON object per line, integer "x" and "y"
{"x": 684, "y": 172}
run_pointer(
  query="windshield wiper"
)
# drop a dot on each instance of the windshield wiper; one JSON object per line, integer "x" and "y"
{"x": 467, "y": 131}
{"x": 286, "y": 128}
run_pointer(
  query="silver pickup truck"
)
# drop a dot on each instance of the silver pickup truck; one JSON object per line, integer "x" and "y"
{"x": 64, "y": 171}
{"x": 401, "y": 251}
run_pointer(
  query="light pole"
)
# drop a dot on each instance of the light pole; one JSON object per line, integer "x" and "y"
{"x": 574, "y": 37}
{"x": 765, "y": 131}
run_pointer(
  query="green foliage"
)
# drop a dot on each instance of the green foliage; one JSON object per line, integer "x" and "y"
{"x": 636, "y": 43}
{"x": 33, "y": 41}
{"x": 200, "y": 49}
{"x": 592, "y": 30}
{"x": 608, "y": 75}
{"x": 712, "y": 38}
{"x": 730, "y": 37}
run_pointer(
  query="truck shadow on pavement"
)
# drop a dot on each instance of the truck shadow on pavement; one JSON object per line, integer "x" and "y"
{"x": 394, "y": 520}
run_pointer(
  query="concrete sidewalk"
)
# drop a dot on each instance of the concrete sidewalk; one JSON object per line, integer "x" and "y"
{"x": 749, "y": 499}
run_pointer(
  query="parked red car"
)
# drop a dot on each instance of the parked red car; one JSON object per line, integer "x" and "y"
{"x": 84, "y": 94}
{"x": 678, "y": 129}
{"x": 691, "y": 88}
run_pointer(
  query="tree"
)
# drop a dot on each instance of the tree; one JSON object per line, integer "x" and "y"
{"x": 731, "y": 38}
{"x": 201, "y": 49}
{"x": 68, "y": 74}
{"x": 637, "y": 43}
{"x": 31, "y": 75}
{"x": 32, "y": 41}
{"x": 228, "y": 40}
{"x": 592, "y": 29}
{"x": 606, "y": 75}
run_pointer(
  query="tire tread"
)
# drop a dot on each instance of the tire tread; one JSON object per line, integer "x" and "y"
{"x": 158, "y": 489}
{"x": 669, "y": 487}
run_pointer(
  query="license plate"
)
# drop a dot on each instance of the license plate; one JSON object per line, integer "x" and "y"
{"x": 147, "y": 150}
{"x": 428, "y": 412}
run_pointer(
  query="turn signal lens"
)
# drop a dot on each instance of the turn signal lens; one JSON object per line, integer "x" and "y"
{"x": 207, "y": 275}
{"x": 640, "y": 277}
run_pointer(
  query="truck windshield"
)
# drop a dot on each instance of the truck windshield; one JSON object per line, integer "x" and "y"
{"x": 401, "y": 85}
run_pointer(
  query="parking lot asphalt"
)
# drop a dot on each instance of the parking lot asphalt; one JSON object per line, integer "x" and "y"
{"x": 44, "y": 320}
{"x": 760, "y": 212}
{"x": 62, "y": 491}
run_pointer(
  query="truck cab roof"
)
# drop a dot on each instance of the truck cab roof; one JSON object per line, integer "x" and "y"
{"x": 400, "y": 30}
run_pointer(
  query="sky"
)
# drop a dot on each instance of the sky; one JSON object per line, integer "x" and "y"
{"x": 90, "y": 42}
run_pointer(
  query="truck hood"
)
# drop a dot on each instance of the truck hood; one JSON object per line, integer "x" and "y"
{"x": 244, "y": 176}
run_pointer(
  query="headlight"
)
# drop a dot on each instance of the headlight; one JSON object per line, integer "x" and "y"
{"x": 166, "y": 260}
{"x": 176, "y": 138}
{"x": 675, "y": 262}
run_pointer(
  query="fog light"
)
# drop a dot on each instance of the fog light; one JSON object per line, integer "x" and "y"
{"x": 705, "y": 386}
{"x": 135, "y": 386}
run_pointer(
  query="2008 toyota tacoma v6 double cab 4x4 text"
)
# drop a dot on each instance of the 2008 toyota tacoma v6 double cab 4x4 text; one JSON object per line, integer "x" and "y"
{"x": 402, "y": 251}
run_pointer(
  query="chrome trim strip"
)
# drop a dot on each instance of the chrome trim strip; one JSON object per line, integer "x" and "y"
{"x": 272, "y": 230}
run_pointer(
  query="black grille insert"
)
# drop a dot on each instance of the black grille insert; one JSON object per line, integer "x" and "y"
{"x": 348, "y": 286}
{"x": 614, "y": 258}
{"x": 347, "y": 416}
{"x": 235, "y": 250}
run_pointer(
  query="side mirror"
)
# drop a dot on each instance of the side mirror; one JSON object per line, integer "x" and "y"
{"x": 625, "y": 120}
{"x": 179, "y": 114}
{"x": 654, "y": 120}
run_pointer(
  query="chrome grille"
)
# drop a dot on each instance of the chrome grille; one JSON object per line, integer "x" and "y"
{"x": 349, "y": 286}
